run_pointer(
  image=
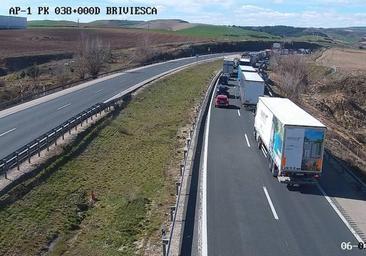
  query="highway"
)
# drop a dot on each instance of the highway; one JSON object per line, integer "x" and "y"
{"x": 243, "y": 210}
{"x": 21, "y": 127}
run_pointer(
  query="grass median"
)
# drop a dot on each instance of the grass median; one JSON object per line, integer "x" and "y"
{"x": 129, "y": 162}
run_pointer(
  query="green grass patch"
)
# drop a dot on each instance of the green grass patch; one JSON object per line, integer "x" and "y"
{"x": 52, "y": 23}
{"x": 224, "y": 32}
{"x": 126, "y": 161}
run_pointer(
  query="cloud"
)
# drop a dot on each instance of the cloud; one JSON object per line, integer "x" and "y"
{"x": 254, "y": 15}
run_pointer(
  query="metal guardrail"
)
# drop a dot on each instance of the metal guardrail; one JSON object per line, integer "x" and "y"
{"x": 47, "y": 139}
{"x": 167, "y": 238}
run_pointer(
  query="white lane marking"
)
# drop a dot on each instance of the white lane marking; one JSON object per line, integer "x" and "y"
{"x": 340, "y": 215}
{"x": 4, "y": 133}
{"x": 238, "y": 112}
{"x": 270, "y": 93}
{"x": 99, "y": 90}
{"x": 204, "y": 249}
{"x": 270, "y": 203}
{"x": 64, "y": 106}
{"x": 246, "y": 138}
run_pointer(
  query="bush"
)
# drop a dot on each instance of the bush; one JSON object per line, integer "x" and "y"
{"x": 2, "y": 83}
{"x": 292, "y": 73}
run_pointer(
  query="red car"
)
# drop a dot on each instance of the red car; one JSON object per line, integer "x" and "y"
{"x": 221, "y": 101}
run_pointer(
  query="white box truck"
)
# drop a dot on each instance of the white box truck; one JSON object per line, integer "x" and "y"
{"x": 292, "y": 140}
{"x": 228, "y": 67}
{"x": 251, "y": 87}
{"x": 245, "y": 61}
{"x": 247, "y": 69}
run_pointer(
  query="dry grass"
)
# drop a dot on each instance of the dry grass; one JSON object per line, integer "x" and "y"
{"x": 344, "y": 59}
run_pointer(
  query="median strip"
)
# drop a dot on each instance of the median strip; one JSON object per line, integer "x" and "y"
{"x": 112, "y": 192}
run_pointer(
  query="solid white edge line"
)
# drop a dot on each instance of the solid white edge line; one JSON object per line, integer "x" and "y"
{"x": 238, "y": 112}
{"x": 4, "y": 133}
{"x": 64, "y": 106}
{"x": 340, "y": 215}
{"x": 246, "y": 138}
{"x": 204, "y": 249}
{"x": 270, "y": 203}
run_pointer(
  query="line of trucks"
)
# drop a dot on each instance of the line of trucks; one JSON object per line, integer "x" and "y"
{"x": 291, "y": 139}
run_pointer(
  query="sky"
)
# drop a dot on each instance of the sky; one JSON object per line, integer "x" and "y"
{"x": 303, "y": 13}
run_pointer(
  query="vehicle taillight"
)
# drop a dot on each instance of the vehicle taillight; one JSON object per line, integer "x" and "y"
{"x": 317, "y": 176}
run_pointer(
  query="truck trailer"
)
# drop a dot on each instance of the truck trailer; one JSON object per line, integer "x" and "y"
{"x": 251, "y": 87}
{"x": 291, "y": 139}
{"x": 247, "y": 69}
{"x": 228, "y": 67}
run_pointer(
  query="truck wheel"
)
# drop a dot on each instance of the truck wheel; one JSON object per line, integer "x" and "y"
{"x": 255, "y": 135}
{"x": 274, "y": 170}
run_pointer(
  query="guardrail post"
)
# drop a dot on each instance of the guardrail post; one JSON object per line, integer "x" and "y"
{"x": 29, "y": 154}
{"x": 172, "y": 209}
{"x": 5, "y": 169}
{"x": 188, "y": 141}
{"x": 48, "y": 144}
{"x": 38, "y": 148}
{"x": 17, "y": 154}
{"x": 76, "y": 127}
{"x": 177, "y": 185}
{"x": 56, "y": 137}
{"x": 181, "y": 169}
{"x": 165, "y": 246}
{"x": 185, "y": 152}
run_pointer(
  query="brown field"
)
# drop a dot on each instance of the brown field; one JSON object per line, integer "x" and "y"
{"x": 50, "y": 40}
{"x": 345, "y": 59}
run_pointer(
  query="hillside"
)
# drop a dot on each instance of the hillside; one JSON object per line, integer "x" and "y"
{"x": 348, "y": 36}
{"x": 52, "y": 23}
{"x": 168, "y": 24}
{"x": 224, "y": 32}
{"x": 112, "y": 23}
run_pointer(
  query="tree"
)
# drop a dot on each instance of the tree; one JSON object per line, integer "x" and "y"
{"x": 292, "y": 72}
{"x": 144, "y": 51}
{"x": 96, "y": 56}
{"x": 62, "y": 76}
{"x": 92, "y": 55}
{"x": 33, "y": 72}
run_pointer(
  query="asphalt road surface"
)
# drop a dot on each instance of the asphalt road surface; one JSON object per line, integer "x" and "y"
{"x": 20, "y": 128}
{"x": 248, "y": 211}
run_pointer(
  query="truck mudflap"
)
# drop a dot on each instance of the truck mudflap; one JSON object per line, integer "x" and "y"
{"x": 298, "y": 180}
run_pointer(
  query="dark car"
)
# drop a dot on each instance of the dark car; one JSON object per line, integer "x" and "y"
{"x": 223, "y": 80}
{"x": 221, "y": 101}
{"x": 222, "y": 90}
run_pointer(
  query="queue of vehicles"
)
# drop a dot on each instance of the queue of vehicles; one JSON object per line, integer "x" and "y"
{"x": 291, "y": 139}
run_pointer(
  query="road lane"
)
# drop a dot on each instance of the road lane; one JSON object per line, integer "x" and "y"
{"x": 34, "y": 121}
{"x": 239, "y": 218}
